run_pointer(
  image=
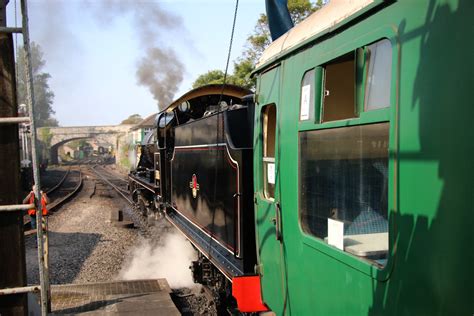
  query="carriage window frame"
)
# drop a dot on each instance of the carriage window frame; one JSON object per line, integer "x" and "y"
{"x": 268, "y": 161}
{"x": 370, "y": 67}
{"x": 382, "y": 115}
{"x": 362, "y": 113}
{"x": 335, "y": 67}
{"x": 307, "y": 96}
{"x": 353, "y": 181}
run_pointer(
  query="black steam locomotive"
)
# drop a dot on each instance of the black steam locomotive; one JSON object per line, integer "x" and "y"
{"x": 198, "y": 173}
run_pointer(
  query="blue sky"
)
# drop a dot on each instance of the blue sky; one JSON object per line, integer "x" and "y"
{"x": 92, "y": 57}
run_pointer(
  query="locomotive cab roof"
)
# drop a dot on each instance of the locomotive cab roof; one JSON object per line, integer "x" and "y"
{"x": 201, "y": 102}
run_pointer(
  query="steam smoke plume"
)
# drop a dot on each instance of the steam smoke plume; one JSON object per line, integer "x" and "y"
{"x": 169, "y": 259}
{"x": 159, "y": 70}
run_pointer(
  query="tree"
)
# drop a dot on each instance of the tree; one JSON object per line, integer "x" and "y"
{"x": 210, "y": 77}
{"x": 239, "y": 77}
{"x": 257, "y": 42}
{"x": 261, "y": 39}
{"x": 132, "y": 119}
{"x": 44, "y": 96}
{"x": 242, "y": 70}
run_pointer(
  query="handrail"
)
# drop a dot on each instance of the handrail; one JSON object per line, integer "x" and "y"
{"x": 16, "y": 207}
{"x": 18, "y": 290}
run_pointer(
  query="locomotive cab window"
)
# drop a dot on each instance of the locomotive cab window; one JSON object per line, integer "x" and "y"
{"x": 164, "y": 121}
{"x": 269, "y": 131}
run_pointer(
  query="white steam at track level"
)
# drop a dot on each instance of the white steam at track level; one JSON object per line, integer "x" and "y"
{"x": 132, "y": 157}
{"x": 169, "y": 259}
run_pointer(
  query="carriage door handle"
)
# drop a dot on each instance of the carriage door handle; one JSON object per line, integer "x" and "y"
{"x": 277, "y": 221}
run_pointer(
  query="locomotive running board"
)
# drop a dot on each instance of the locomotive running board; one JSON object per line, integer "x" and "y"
{"x": 229, "y": 265}
{"x": 141, "y": 181}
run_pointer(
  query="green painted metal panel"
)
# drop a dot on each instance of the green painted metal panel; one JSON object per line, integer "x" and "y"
{"x": 272, "y": 270}
{"x": 431, "y": 191}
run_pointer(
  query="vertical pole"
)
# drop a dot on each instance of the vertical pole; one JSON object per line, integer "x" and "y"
{"x": 46, "y": 260}
{"x": 26, "y": 147}
{"x": 12, "y": 244}
{"x": 23, "y": 144}
{"x": 30, "y": 98}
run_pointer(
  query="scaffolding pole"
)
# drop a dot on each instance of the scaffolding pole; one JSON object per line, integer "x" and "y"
{"x": 9, "y": 124}
{"x": 30, "y": 101}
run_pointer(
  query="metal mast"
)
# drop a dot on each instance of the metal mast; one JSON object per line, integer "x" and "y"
{"x": 43, "y": 269}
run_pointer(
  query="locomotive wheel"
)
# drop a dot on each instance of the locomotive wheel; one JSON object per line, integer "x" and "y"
{"x": 142, "y": 207}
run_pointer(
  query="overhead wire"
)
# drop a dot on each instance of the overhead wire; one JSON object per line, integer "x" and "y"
{"x": 229, "y": 50}
{"x": 218, "y": 129}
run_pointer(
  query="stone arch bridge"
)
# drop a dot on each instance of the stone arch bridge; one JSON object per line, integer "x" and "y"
{"x": 59, "y": 136}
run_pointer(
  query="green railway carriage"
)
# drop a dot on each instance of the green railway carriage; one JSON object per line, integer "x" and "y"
{"x": 362, "y": 161}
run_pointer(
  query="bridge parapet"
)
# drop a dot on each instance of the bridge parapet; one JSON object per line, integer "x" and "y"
{"x": 54, "y": 137}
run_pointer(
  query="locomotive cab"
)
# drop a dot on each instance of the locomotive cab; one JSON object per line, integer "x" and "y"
{"x": 203, "y": 179}
{"x": 142, "y": 184}
{"x": 210, "y": 181}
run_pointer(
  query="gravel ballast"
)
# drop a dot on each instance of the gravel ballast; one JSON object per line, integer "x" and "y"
{"x": 85, "y": 245}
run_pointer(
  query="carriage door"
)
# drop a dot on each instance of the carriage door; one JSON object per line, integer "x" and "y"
{"x": 267, "y": 206}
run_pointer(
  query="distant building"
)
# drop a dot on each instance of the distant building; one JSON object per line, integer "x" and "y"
{"x": 141, "y": 129}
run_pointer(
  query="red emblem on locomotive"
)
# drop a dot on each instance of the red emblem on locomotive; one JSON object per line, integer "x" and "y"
{"x": 194, "y": 185}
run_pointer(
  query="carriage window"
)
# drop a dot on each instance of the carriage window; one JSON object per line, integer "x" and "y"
{"x": 307, "y": 96}
{"x": 379, "y": 73}
{"x": 339, "y": 86}
{"x": 343, "y": 188}
{"x": 269, "y": 128}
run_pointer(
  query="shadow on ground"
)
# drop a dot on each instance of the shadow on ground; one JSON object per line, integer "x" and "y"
{"x": 66, "y": 260}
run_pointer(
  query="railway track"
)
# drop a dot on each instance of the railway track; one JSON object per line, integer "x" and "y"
{"x": 65, "y": 190}
{"x": 68, "y": 186}
{"x": 115, "y": 182}
{"x": 57, "y": 185}
{"x": 186, "y": 299}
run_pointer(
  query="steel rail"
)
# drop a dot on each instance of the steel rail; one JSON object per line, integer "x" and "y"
{"x": 119, "y": 190}
{"x": 113, "y": 177}
{"x": 109, "y": 173}
{"x": 54, "y": 188}
{"x": 25, "y": 207}
{"x": 62, "y": 200}
{"x": 59, "y": 202}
